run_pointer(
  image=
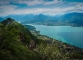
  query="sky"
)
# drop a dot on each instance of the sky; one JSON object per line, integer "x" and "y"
{"x": 48, "y": 7}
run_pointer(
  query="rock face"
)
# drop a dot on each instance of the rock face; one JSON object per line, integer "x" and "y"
{"x": 32, "y": 44}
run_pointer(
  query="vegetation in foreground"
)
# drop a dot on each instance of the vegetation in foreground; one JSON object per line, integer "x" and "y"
{"x": 18, "y": 43}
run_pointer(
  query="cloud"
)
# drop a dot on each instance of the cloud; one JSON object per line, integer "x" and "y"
{"x": 4, "y": 2}
{"x": 53, "y": 2}
{"x": 6, "y": 8}
{"x": 74, "y": 0}
{"x": 30, "y": 2}
{"x": 37, "y": 2}
{"x": 10, "y": 9}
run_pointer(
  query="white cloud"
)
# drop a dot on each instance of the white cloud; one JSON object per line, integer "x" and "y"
{"x": 53, "y": 2}
{"x": 36, "y": 2}
{"x": 30, "y": 2}
{"x": 7, "y": 9}
{"x": 11, "y": 9}
{"x": 52, "y": 11}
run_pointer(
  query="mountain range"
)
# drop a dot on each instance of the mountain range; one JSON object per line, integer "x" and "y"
{"x": 69, "y": 19}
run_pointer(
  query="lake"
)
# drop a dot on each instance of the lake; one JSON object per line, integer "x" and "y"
{"x": 68, "y": 34}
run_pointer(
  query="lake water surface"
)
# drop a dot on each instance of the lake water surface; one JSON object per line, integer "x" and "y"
{"x": 68, "y": 34}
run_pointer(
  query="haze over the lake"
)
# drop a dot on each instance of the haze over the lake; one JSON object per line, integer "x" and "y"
{"x": 47, "y": 7}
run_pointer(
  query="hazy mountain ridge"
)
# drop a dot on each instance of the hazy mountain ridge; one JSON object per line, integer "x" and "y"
{"x": 19, "y": 17}
{"x": 70, "y": 19}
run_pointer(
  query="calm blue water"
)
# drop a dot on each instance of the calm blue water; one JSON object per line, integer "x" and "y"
{"x": 68, "y": 34}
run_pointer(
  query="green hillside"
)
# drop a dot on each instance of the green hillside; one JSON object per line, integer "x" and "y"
{"x": 18, "y": 43}
{"x": 15, "y": 41}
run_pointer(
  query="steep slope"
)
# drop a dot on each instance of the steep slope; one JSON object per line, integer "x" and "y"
{"x": 15, "y": 41}
{"x": 55, "y": 49}
{"x": 18, "y": 43}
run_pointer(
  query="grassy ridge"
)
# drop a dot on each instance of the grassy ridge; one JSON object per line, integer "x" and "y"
{"x": 15, "y": 41}
{"x": 18, "y": 43}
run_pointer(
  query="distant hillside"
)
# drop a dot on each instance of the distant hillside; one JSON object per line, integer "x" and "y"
{"x": 73, "y": 19}
{"x": 70, "y": 19}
